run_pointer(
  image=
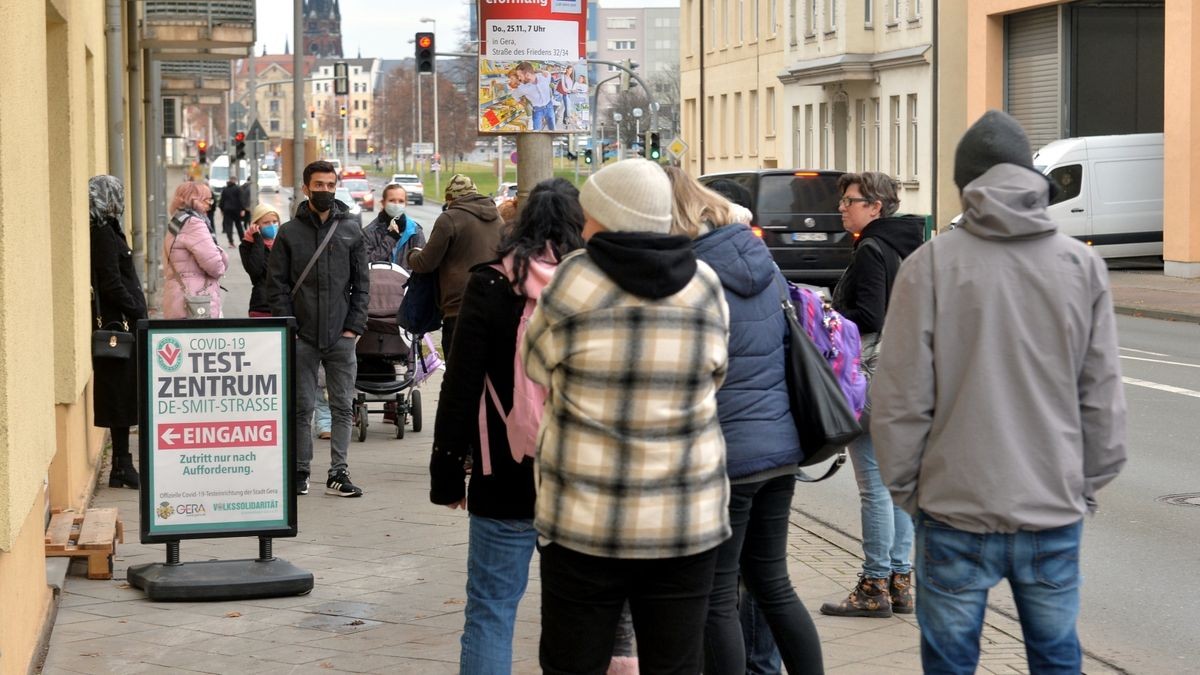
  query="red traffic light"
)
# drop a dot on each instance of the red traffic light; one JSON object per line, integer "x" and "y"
{"x": 239, "y": 136}
{"x": 425, "y": 42}
{"x": 201, "y": 145}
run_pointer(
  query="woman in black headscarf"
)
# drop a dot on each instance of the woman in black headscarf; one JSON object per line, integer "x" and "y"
{"x": 117, "y": 297}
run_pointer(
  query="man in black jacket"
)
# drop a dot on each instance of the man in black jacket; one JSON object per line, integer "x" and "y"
{"x": 329, "y": 300}
{"x": 232, "y": 209}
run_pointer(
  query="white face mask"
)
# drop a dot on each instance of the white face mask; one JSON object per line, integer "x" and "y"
{"x": 393, "y": 209}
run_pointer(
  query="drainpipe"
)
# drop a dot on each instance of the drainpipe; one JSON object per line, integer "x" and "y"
{"x": 115, "y": 90}
{"x": 933, "y": 133}
{"x": 298, "y": 132}
{"x": 135, "y": 187}
{"x": 701, "y": 101}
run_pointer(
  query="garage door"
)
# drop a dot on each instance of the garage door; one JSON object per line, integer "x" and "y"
{"x": 1033, "y": 73}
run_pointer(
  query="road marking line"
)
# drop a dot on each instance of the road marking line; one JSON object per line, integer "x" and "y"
{"x": 1169, "y": 363}
{"x": 1161, "y": 387}
{"x": 1142, "y": 351}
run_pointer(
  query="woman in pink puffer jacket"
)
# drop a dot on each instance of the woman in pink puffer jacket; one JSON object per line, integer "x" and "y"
{"x": 194, "y": 254}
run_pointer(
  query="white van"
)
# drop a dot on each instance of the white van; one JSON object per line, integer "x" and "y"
{"x": 1110, "y": 191}
{"x": 218, "y": 174}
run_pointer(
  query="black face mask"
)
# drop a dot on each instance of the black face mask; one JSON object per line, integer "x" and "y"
{"x": 321, "y": 201}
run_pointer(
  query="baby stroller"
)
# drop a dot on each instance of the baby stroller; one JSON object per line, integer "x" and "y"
{"x": 387, "y": 361}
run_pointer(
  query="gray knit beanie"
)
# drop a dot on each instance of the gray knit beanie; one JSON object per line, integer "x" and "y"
{"x": 996, "y": 138}
{"x": 633, "y": 195}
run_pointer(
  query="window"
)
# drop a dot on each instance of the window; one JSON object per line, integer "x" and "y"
{"x": 753, "y": 119}
{"x": 793, "y": 21}
{"x": 622, "y": 45}
{"x": 894, "y": 147}
{"x": 739, "y": 126}
{"x": 861, "y": 141}
{"x": 1069, "y": 181}
{"x": 273, "y": 106}
{"x": 772, "y": 17}
{"x": 914, "y": 9}
{"x": 708, "y": 130}
{"x": 724, "y": 125}
{"x": 622, "y": 22}
{"x": 754, "y": 20}
{"x": 275, "y": 90}
{"x": 812, "y": 18}
{"x": 808, "y": 136}
{"x": 274, "y": 126}
{"x": 823, "y": 121}
{"x": 831, "y": 15}
{"x": 868, "y": 12}
{"x": 356, "y": 105}
{"x": 741, "y": 22}
{"x": 725, "y": 23}
{"x": 686, "y": 13}
{"x": 712, "y": 27}
{"x": 797, "y": 135}
{"x": 895, "y": 18}
{"x": 913, "y": 155}
{"x": 771, "y": 112}
{"x": 877, "y": 143}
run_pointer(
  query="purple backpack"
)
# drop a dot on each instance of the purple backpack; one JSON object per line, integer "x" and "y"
{"x": 837, "y": 338}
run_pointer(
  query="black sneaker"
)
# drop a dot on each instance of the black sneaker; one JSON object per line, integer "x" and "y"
{"x": 301, "y": 483}
{"x": 339, "y": 485}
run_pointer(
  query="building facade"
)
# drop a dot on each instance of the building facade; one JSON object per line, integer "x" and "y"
{"x": 1074, "y": 69}
{"x": 325, "y": 106}
{"x": 323, "y": 28}
{"x": 857, "y": 90}
{"x": 650, "y": 39}
{"x": 273, "y": 76}
{"x": 731, "y": 55}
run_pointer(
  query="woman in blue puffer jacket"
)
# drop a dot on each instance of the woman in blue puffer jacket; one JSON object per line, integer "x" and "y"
{"x": 762, "y": 447}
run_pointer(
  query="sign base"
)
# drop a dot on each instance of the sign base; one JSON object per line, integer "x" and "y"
{"x": 215, "y": 580}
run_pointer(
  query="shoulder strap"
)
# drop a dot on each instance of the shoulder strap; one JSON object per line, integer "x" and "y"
{"x": 313, "y": 260}
{"x": 175, "y": 227}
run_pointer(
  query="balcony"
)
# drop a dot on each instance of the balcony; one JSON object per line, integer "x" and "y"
{"x": 201, "y": 29}
{"x": 198, "y": 77}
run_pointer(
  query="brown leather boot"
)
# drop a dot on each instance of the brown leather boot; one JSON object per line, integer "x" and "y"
{"x": 869, "y": 598}
{"x": 900, "y": 588}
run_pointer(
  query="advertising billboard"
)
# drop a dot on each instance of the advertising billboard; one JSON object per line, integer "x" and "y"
{"x": 532, "y": 67}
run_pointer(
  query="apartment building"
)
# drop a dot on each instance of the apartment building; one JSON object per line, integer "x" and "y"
{"x": 324, "y": 105}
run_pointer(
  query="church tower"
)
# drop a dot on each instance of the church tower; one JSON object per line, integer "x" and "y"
{"x": 322, "y": 28}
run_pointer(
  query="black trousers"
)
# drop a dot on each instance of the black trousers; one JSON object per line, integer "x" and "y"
{"x": 229, "y": 221}
{"x": 582, "y": 597}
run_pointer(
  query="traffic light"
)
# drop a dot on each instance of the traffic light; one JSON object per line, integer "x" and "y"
{"x": 655, "y": 150}
{"x": 239, "y": 142}
{"x": 202, "y": 148}
{"x": 587, "y": 156}
{"x": 424, "y": 53}
{"x": 342, "y": 112}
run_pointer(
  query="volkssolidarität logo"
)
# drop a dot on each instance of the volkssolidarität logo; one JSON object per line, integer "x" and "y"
{"x": 169, "y": 354}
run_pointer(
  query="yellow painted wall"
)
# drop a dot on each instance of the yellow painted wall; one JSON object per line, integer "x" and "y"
{"x": 26, "y": 600}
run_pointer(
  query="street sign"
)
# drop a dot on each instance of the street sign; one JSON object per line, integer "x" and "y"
{"x": 257, "y": 133}
{"x": 421, "y": 149}
{"x": 677, "y": 147}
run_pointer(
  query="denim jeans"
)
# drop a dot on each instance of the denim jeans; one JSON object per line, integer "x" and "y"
{"x": 340, "y": 370}
{"x": 762, "y": 656}
{"x": 582, "y": 597}
{"x": 957, "y": 569}
{"x": 543, "y": 118}
{"x": 887, "y": 530}
{"x": 498, "y": 558}
{"x": 758, "y": 514}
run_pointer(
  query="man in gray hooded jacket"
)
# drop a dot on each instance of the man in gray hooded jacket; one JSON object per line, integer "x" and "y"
{"x": 998, "y": 407}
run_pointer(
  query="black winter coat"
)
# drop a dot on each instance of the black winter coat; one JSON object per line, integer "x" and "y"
{"x": 116, "y": 286}
{"x": 381, "y": 241}
{"x": 231, "y": 199}
{"x": 333, "y": 297}
{"x": 489, "y": 316}
{"x": 862, "y": 292}
{"x": 254, "y": 260}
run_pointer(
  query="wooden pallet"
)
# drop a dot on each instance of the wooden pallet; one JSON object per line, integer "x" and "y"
{"x": 93, "y": 535}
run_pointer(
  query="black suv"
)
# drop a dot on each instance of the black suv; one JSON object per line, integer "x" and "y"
{"x": 796, "y": 214}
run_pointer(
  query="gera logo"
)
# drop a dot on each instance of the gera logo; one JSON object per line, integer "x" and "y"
{"x": 165, "y": 510}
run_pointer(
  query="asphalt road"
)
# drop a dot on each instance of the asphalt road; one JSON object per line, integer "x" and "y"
{"x": 1141, "y": 554}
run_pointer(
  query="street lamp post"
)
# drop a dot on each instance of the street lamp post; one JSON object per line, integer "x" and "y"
{"x": 617, "y": 117}
{"x": 437, "y": 173}
{"x": 637, "y": 122}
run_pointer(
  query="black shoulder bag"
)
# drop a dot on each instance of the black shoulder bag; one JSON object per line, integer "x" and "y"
{"x": 112, "y": 340}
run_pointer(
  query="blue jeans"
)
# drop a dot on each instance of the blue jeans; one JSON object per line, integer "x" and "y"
{"x": 887, "y": 530}
{"x": 543, "y": 117}
{"x": 762, "y": 656}
{"x": 957, "y": 569}
{"x": 498, "y": 558}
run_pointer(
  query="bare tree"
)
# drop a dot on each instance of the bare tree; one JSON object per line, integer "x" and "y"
{"x": 624, "y": 103}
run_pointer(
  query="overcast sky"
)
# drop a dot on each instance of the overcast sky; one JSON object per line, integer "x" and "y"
{"x": 382, "y": 28}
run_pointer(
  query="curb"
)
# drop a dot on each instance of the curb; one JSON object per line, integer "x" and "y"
{"x": 1159, "y": 314}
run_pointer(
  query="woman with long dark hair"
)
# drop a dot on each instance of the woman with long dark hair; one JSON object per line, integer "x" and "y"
{"x": 501, "y": 498}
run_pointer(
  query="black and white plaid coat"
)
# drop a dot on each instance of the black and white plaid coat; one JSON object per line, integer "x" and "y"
{"x": 631, "y": 460}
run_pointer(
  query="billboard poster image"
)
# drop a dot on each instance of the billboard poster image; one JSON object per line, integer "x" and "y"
{"x": 532, "y": 72}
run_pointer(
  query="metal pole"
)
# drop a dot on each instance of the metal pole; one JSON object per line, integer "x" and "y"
{"x": 157, "y": 206}
{"x": 346, "y": 131}
{"x": 253, "y": 144}
{"x": 417, "y": 163}
{"x": 297, "y": 103}
{"x": 135, "y": 188}
{"x": 437, "y": 174}
{"x": 499, "y": 161}
{"x": 115, "y": 90}
{"x": 598, "y": 141}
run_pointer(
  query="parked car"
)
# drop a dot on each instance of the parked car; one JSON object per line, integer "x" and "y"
{"x": 412, "y": 185}
{"x": 337, "y": 165}
{"x": 505, "y": 192}
{"x": 796, "y": 214}
{"x": 268, "y": 181}
{"x": 1110, "y": 191}
{"x": 362, "y": 192}
{"x": 354, "y": 171}
{"x": 343, "y": 195}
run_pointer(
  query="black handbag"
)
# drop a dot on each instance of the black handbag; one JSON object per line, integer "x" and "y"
{"x": 824, "y": 420}
{"x": 419, "y": 312}
{"x": 112, "y": 340}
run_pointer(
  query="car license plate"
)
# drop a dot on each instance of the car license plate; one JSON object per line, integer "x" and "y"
{"x": 809, "y": 236}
